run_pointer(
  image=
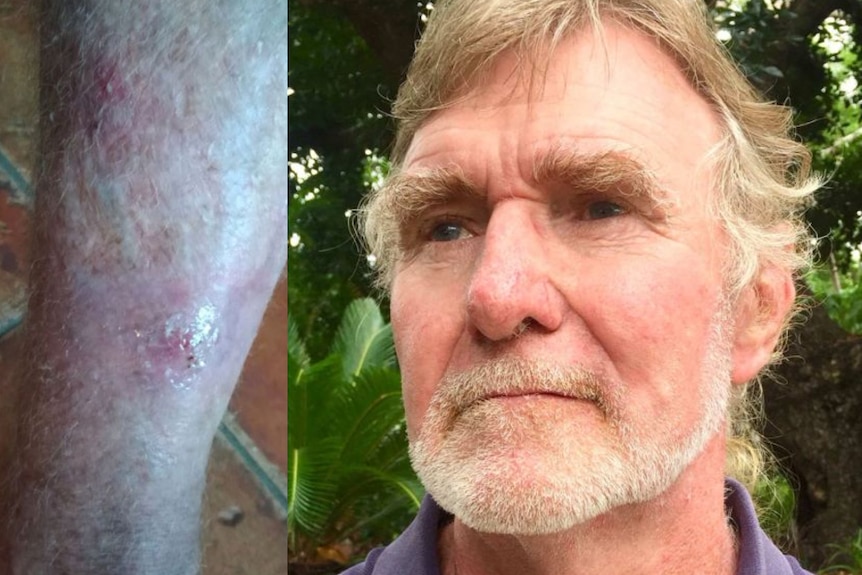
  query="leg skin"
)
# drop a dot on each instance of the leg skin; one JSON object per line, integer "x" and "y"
{"x": 159, "y": 233}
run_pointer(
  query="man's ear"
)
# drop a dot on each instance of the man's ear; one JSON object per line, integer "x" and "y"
{"x": 761, "y": 312}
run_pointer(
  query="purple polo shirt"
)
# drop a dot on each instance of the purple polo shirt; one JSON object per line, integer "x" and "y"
{"x": 415, "y": 550}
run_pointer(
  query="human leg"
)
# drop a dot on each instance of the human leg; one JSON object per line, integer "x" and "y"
{"x": 159, "y": 232}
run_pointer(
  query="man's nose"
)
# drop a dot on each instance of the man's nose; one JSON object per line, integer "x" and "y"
{"x": 511, "y": 287}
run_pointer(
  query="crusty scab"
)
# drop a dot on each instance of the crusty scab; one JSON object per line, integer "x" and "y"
{"x": 200, "y": 334}
{"x": 181, "y": 345}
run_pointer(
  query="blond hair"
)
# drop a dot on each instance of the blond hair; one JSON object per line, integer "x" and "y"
{"x": 762, "y": 179}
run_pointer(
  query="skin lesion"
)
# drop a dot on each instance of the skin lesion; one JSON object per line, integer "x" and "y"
{"x": 185, "y": 344}
{"x": 157, "y": 332}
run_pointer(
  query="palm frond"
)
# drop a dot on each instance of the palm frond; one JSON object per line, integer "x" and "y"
{"x": 295, "y": 345}
{"x": 311, "y": 487}
{"x": 391, "y": 453}
{"x": 347, "y": 448}
{"x": 363, "y": 338}
{"x": 311, "y": 395}
{"x": 408, "y": 486}
{"x": 368, "y": 411}
{"x": 367, "y": 483}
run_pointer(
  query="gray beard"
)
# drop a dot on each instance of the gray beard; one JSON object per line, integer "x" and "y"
{"x": 511, "y": 471}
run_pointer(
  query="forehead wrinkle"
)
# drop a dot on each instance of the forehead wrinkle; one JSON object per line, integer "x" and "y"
{"x": 609, "y": 171}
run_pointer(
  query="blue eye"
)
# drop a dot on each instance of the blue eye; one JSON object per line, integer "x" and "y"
{"x": 601, "y": 210}
{"x": 447, "y": 232}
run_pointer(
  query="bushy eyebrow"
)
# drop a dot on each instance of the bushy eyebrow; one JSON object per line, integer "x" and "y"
{"x": 415, "y": 192}
{"x": 605, "y": 172}
{"x": 408, "y": 195}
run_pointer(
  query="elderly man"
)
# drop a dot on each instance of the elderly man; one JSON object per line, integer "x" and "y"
{"x": 590, "y": 237}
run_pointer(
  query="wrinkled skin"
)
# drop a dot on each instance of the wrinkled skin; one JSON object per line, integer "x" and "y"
{"x": 606, "y": 279}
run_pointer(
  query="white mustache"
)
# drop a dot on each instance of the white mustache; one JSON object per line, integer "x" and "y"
{"x": 512, "y": 376}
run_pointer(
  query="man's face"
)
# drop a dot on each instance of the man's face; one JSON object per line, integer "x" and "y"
{"x": 559, "y": 314}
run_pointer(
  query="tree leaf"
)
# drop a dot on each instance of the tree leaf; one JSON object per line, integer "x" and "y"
{"x": 295, "y": 345}
{"x": 311, "y": 488}
{"x": 311, "y": 392}
{"x": 346, "y": 437}
{"x": 367, "y": 412}
{"x": 364, "y": 338}
{"x": 368, "y": 482}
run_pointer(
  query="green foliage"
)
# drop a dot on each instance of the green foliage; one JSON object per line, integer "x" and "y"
{"x": 844, "y": 305}
{"x": 336, "y": 127}
{"x": 837, "y": 143}
{"x": 348, "y": 471}
{"x": 752, "y": 27}
{"x": 838, "y": 209}
{"x": 775, "y": 502}
{"x": 846, "y": 558}
{"x": 363, "y": 338}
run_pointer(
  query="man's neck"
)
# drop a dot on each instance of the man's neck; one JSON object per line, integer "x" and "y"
{"x": 685, "y": 530}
